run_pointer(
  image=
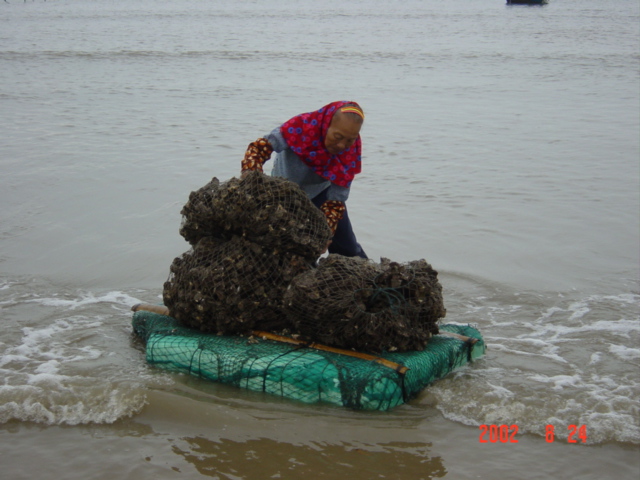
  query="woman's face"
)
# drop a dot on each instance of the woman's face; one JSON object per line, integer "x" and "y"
{"x": 342, "y": 133}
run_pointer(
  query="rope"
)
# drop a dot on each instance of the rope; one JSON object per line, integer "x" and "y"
{"x": 392, "y": 296}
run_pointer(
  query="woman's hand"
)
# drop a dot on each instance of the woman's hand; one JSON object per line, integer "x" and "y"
{"x": 334, "y": 211}
{"x": 257, "y": 153}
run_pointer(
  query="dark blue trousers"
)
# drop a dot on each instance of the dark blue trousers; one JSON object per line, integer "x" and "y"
{"x": 344, "y": 241}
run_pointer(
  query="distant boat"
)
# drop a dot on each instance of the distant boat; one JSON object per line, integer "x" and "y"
{"x": 527, "y": 2}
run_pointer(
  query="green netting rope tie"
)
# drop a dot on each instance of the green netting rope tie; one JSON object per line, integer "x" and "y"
{"x": 470, "y": 342}
{"x": 392, "y": 295}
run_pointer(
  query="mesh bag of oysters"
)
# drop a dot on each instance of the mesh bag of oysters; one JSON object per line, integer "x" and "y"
{"x": 252, "y": 266}
{"x": 231, "y": 286}
{"x": 250, "y": 237}
{"x": 270, "y": 211}
{"x": 373, "y": 307}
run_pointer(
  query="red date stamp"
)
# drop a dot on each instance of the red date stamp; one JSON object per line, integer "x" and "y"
{"x": 575, "y": 433}
{"x": 507, "y": 434}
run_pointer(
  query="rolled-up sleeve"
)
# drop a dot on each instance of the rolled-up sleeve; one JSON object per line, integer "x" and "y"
{"x": 276, "y": 140}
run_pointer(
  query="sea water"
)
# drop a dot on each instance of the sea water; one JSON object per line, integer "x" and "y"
{"x": 501, "y": 144}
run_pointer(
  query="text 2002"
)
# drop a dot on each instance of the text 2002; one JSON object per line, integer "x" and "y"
{"x": 498, "y": 433}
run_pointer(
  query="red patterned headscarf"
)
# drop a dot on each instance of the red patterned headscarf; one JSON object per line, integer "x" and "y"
{"x": 305, "y": 136}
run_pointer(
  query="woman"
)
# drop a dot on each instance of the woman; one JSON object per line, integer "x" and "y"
{"x": 321, "y": 152}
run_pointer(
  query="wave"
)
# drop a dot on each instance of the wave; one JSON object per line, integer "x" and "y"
{"x": 69, "y": 357}
{"x": 71, "y": 360}
{"x": 417, "y": 59}
{"x": 556, "y": 360}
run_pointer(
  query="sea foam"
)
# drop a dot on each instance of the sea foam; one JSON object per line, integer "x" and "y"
{"x": 78, "y": 366}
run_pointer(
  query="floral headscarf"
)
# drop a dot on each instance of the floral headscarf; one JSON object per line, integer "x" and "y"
{"x": 305, "y": 135}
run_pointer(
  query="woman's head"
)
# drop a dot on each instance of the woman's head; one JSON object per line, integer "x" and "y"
{"x": 344, "y": 129}
{"x": 328, "y": 140}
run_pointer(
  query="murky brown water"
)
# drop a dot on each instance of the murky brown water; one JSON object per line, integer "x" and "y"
{"x": 500, "y": 144}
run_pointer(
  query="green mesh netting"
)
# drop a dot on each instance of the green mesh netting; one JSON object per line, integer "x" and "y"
{"x": 303, "y": 373}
